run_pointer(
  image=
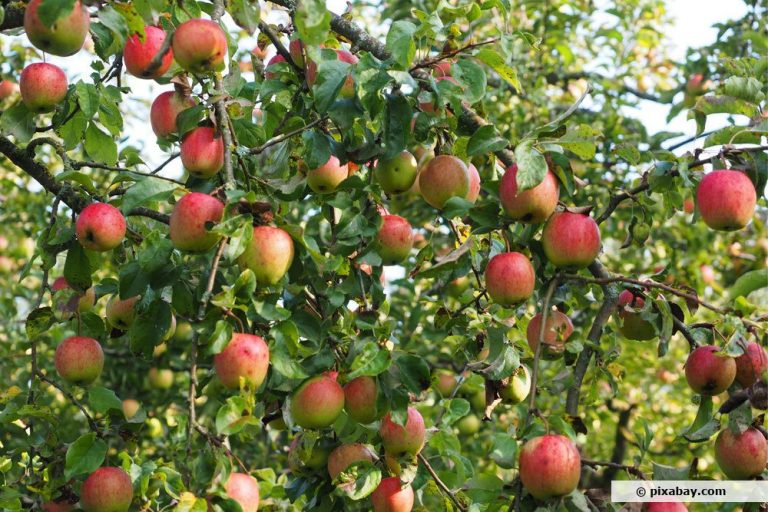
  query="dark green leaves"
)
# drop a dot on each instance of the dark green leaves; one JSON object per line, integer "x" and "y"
{"x": 313, "y": 21}
{"x": 51, "y": 10}
{"x": 400, "y": 42}
{"x": 77, "y": 267}
{"x": 397, "y": 125}
{"x": 471, "y": 77}
{"x": 531, "y": 166}
{"x": 330, "y": 77}
{"x": 485, "y": 141}
{"x": 146, "y": 191}
{"x": 413, "y": 372}
{"x": 103, "y": 400}
{"x": 150, "y": 327}
{"x": 100, "y": 146}
{"x": 85, "y": 455}
{"x": 19, "y": 122}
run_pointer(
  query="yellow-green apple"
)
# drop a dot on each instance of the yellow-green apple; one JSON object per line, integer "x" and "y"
{"x": 200, "y": 46}
{"x": 751, "y": 365}
{"x": 533, "y": 205}
{"x": 557, "y": 330}
{"x": 509, "y": 278}
{"x": 269, "y": 255}
{"x": 183, "y": 332}
{"x": 108, "y": 489}
{"x": 442, "y": 178}
{"x": 571, "y": 240}
{"x": 398, "y": 439}
{"x": 79, "y": 360}
{"x": 65, "y": 37}
{"x": 138, "y": 53}
{"x": 632, "y": 325}
{"x": 121, "y": 313}
{"x": 326, "y": 178}
{"x": 244, "y": 489}
{"x": 130, "y": 408}
{"x": 445, "y": 382}
{"x": 550, "y": 466}
{"x": 457, "y": 287}
{"x": 303, "y": 459}
{"x": 726, "y": 199}
{"x": 42, "y": 86}
{"x": 708, "y": 371}
{"x": 346, "y": 455}
{"x": 469, "y": 425}
{"x": 202, "y": 151}
{"x": 190, "y": 218}
{"x": 397, "y": 174}
{"x": 518, "y": 386}
{"x": 246, "y": 358}
{"x": 82, "y": 302}
{"x": 165, "y": 109}
{"x": 360, "y": 399}
{"x": 391, "y": 496}
{"x": 160, "y": 378}
{"x": 318, "y": 402}
{"x": 100, "y": 227}
{"x": 394, "y": 241}
{"x": 741, "y": 456}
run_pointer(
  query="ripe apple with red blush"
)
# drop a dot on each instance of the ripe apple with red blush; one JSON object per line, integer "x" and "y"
{"x": 394, "y": 241}
{"x": 67, "y": 34}
{"x": 317, "y": 402}
{"x": 708, "y": 371}
{"x": 269, "y": 255}
{"x": 100, "y": 227}
{"x": 361, "y": 399}
{"x": 188, "y": 225}
{"x": 533, "y": 205}
{"x": 139, "y": 53}
{"x": 557, "y": 329}
{"x": 326, "y": 178}
{"x": 245, "y": 359}
{"x": 165, "y": 110}
{"x": 751, "y": 365}
{"x": 202, "y": 151}
{"x": 442, "y": 178}
{"x": 550, "y": 466}
{"x": 726, "y": 200}
{"x": 391, "y": 496}
{"x": 345, "y": 455}
{"x": 741, "y": 456}
{"x": 403, "y": 439}
{"x": 200, "y": 46}
{"x": 244, "y": 489}
{"x": 108, "y": 489}
{"x": 42, "y": 86}
{"x": 571, "y": 240}
{"x": 509, "y": 278}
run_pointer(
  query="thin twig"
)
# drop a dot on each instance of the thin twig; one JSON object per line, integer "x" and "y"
{"x": 91, "y": 423}
{"x": 428, "y": 63}
{"x": 446, "y": 490}
{"x": 280, "y": 138}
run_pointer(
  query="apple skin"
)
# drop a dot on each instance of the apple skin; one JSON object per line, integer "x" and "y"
{"x": 100, "y": 227}
{"x": 474, "y": 183}
{"x": 398, "y": 439}
{"x": 60, "y": 506}
{"x": 445, "y": 382}
{"x": 394, "y": 241}
{"x": 348, "y": 89}
{"x": 509, "y": 278}
{"x": 269, "y": 75}
{"x": 571, "y": 240}
{"x": 442, "y": 178}
{"x": 130, "y": 408}
{"x": 550, "y": 466}
{"x": 726, "y": 200}
{"x": 269, "y": 255}
{"x": 202, "y": 152}
{"x": 557, "y": 330}
{"x": 457, "y": 287}
{"x": 8, "y": 89}
{"x": 469, "y": 425}
{"x": 397, "y": 174}
{"x": 164, "y": 111}
{"x": 79, "y": 360}
{"x": 84, "y": 302}
{"x": 695, "y": 84}
{"x": 633, "y": 326}
{"x": 108, "y": 489}
{"x": 519, "y": 386}
{"x": 689, "y": 206}
{"x": 121, "y": 313}
{"x": 389, "y": 496}
{"x": 296, "y": 49}
{"x": 200, "y": 46}
{"x": 326, "y": 178}
{"x": 346, "y": 455}
{"x": 138, "y": 55}
{"x": 246, "y": 356}
{"x": 665, "y": 507}
{"x": 741, "y": 457}
{"x": 244, "y": 489}
{"x": 318, "y": 402}
{"x": 707, "y": 373}
{"x": 42, "y": 86}
{"x": 187, "y": 227}
{"x": 160, "y": 378}
{"x": 65, "y": 37}
{"x": 532, "y": 206}
{"x": 360, "y": 399}
{"x": 751, "y": 365}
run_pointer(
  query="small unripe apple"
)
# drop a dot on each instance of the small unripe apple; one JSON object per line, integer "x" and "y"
{"x": 709, "y": 373}
{"x": 557, "y": 330}
{"x": 394, "y": 241}
{"x": 399, "y": 439}
{"x": 445, "y": 382}
{"x": 360, "y": 399}
{"x": 246, "y": 357}
{"x": 444, "y": 177}
{"x": 509, "y": 278}
{"x": 550, "y": 466}
{"x": 130, "y": 408}
{"x": 346, "y": 455}
{"x": 741, "y": 456}
{"x": 689, "y": 206}
{"x": 442, "y": 68}
{"x": 469, "y": 425}
{"x": 164, "y": 111}
{"x": 108, "y": 489}
{"x": 79, "y": 360}
{"x": 665, "y": 507}
{"x": 535, "y": 204}
{"x": 696, "y": 84}
{"x": 121, "y": 313}
{"x": 318, "y": 402}
{"x": 397, "y": 174}
{"x": 67, "y": 34}
{"x": 200, "y": 46}
{"x": 390, "y": 496}
{"x": 244, "y": 489}
{"x": 518, "y": 387}
{"x": 326, "y": 178}
{"x": 457, "y": 287}
{"x": 100, "y": 227}
{"x": 83, "y": 302}
{"x": 160, "y": 378}
{"x": 474, "y": 183}
{"x": 726, "y": 200}
{"x": 571, "y": 240}
{"x": 189, "y": 218}
{"x": 269, "y": 255}
{"x": 184, "y": 332}
{"x": 8, "y": 89}
{"x": 632, "y": 325}
{"x": 202, "y": 152}
{"x": 42, "y": 86}
{"x": 138, "y": 54}
{"x": 751, "y": 365}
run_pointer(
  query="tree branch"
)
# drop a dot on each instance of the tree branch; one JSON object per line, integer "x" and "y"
{"x": 91, "y": 422}
{"x": 448, "y": 492}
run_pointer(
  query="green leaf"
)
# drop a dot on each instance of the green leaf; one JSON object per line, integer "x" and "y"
{"x": 401, "y": 43}
{"x": 745, "y": 88}
{"x": 77, "y": 267}
{"x": 504, "y": 451}
{"x": 233, "y": 416}
{"x": 704, "y": 425}
{"x": 84, "y": 456}
{"x": 317, "y": 148}
{"x": 100, "y": 146}
{"x": 485, "y": 141}
{"x": 313, "y": 21}
{"x": 531, "y": 166}
{"x": 103, "y": 400}
{"x": 87, "y": 98}
{"x": 50, "y": 11}
{"x": 285, "y": 364}
{"x": 73, "y": 130}
{"x": 19, "y": 122}
{"x": 471, "y": 77}
{"x": 189, "y": 118}
{"x": 371, "y": 361}
{"x": 397, "y": 123}
{"x": 580, "y": 141}
{"x": 414, "y": 372}
{"x": 38, "y": 322}
{"x": 359, "y": 480}
{"x": 492, "y": 59}
{"x": 749, "y": 282}
{"x": 246, "y": 14}
{"x": 150, "y": 327}
{"x": 331, "y": 75}
{"x": 455, "y": 409}
{"x": 146, "y": 191}
{"x": 662, "y": 472}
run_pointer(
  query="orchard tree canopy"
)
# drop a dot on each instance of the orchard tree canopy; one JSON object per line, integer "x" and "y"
{"x": 416, "y": 255}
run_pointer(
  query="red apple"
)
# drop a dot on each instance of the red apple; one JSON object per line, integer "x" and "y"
{"x": 79, "y": 360}
{"x": 709, "y": 373}
{"x": 751, "y": 365}
{"x": 164, "y": 111}
{"x": 244, "y": 489}
{"x": 202, "y": 152}
{"x": 399, "y": 439}
{"x": 100, "y": 227}
{"x": 107, "y": 489}
{"x": 474, "y": 183}
{"x": 534, "y": 205}
{"x": 442, "y": 178}
{"x": 360, "y": 399}
{"x": 318, "y": 402}
{"x": 188, "y": 225}
{"x": 138, "y": 54}
{"x": 571, "y": 240}
{"x": 633, "y": 326}
{"x": 42, "y": 86}
{"x": 442, "y": 68}
{"x": 326, "y": 178}
{"x": 557, "y": 330}
{"x": 741, "y": 456}
{"x": 130, "y": 408}
{"x": 689, "y": 206}
{"x": 269, "y": 75}
{"x": 121, "y": 313}
{"x": 200, "y": 46}
{"x": 394, "y": 241}
{"x": 269, "y": 255}
{"x": 390, "y": 496}
{"x": 346, "y": 455}
{"x": 509, "y": 278}
{"x": 726, "y": 200}
{"x": 246, "y": 357}
{"x": 550, "y": 466}
{"x": 8, "y": 89}
{"x": 348, "y": 89}
{"x": 67, "y": 34}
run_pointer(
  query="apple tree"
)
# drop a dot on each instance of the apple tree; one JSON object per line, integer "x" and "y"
{"x": 415, "y": 255}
